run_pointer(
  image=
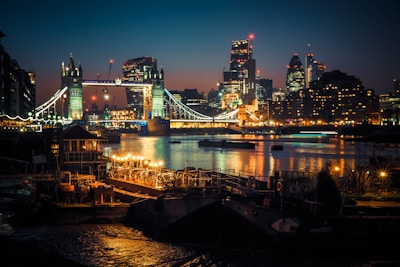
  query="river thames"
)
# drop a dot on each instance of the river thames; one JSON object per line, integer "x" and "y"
{"x": 118, "y": 244}
{"x": 305, "y": 153}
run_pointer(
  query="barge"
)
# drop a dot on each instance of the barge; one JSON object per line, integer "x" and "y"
{"x": 227, "y": 144}
{"x": 161, "y": 197}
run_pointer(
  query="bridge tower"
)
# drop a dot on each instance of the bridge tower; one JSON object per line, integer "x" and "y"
{"x": 71, "y": 77}
{"x": 149, "y": 103}
{"x": 157, "y": 94}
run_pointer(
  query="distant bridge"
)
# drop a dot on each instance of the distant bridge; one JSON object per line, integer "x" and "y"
{"x": 175, "y": 110}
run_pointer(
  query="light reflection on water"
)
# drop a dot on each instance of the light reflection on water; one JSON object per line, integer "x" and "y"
{"x": 102, "y": 245}
{"x": 119, "y": 245}
{"x": 301, "y": 154}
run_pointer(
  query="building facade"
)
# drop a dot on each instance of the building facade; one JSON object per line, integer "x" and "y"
{"x": 17, "y": 87}
{"x": 241, "y": 80}
{"x": 295, "y": 75}
{"x": 313, "y": 69}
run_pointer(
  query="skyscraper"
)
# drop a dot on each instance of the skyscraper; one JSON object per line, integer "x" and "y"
{"x": 314, "y": 69}
{"x": 239, "y": 82}
{"x": 18, "y": 87}
{"x": 295, "y": 75}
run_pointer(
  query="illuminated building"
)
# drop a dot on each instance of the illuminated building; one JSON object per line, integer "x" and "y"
{"x": 295, "y": 75}
{"x": 18, "y": 87}
{"x": 240, "y": 81}
{"x": 314, "y": 69}
{"x": 342, "y": 98}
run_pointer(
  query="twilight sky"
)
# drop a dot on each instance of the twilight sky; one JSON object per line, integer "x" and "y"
{"x": 191, "y": 40}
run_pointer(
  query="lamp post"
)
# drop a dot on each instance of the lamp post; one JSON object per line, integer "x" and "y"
{"x": 114, "y": 157}
{"x": 383, "y": 178}
{"x": 337, "y": 169}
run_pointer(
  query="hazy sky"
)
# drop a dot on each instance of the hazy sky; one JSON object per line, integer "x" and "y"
{"x": 191, "y": 40}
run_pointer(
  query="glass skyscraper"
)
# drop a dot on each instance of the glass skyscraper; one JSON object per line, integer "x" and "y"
{"x": 295, "y": 75}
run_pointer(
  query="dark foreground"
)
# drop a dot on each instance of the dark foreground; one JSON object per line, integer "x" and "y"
{"x": 107, "y": 245}
{"x": 208, "y": 238}
{"x": 17, "y": 253}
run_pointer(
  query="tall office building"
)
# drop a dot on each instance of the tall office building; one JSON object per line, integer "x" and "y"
{"x": 240, "y": 81}
{"x": 146, "y": 103}
{"x": 313, "y": 70}
{"x": 295, "y": 75}
{"x": 17, "y": 86}
{"x": 309, "y": 67}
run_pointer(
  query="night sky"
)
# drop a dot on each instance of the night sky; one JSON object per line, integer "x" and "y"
{"x": 191, "y": 40}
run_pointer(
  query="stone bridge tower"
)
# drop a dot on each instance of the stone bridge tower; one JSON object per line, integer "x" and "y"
{"x": 71, "y": 77}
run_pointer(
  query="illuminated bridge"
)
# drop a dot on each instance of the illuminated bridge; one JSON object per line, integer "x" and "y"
{"x": 174, "y": 110}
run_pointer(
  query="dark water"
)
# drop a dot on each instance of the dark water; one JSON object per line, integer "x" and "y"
{"x": 301, "y": 153}
{"x": 119, "y": 245}
{"x": 205, "y": 241}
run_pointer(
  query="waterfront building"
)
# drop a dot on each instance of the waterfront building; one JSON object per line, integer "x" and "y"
{"x": 295, "y": 74}
{"x": 342, "y": 98}
{"x": 82, "y": 152}
{"x": 299, "y": 107}
{"x": 17, "y": 86}
{"x": 335, "y": 97}
{"x": 264, "y": 98}
{"x": 389, "y": 105}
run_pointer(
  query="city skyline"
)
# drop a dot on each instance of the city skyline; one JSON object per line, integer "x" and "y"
{"x": 192, "y": 42}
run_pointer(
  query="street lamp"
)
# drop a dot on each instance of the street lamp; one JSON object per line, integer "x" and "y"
{"x": 337, "y": 169}
{"x": 383, "y": 177}
{"x": 114, "y": 157}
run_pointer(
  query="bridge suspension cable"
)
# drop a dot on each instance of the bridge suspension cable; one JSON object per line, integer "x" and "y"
{"x": 188, "y": 113}
{"x": 51, "y": 102}
{"x": 183, "y": 112}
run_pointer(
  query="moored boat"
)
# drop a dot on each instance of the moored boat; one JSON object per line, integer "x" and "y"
{"x": 83, "y": 199}
{"x": 174, "y": 141}
{"x": 161, "y": 197}
{"x": 277, "y": 147}
{"x": 227, "y": 144}
{"x": 288, "y": 208}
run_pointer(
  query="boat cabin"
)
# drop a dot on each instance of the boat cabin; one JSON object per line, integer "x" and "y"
{"x": 82, "y": 152}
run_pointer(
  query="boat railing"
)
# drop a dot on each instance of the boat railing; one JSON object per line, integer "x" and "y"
{"x": 286, "y": 183}
{"x": 82, "y": 178}
{"x": 200, "y": 178}
{"x": 295, "y": 184}
{"x": 43, "y": 177}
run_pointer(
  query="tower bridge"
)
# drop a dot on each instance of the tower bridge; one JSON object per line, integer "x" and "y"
{"x": 66, "y": 104}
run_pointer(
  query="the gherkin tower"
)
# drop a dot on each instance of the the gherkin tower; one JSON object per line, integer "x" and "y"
{"x": 295, "y": 79}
